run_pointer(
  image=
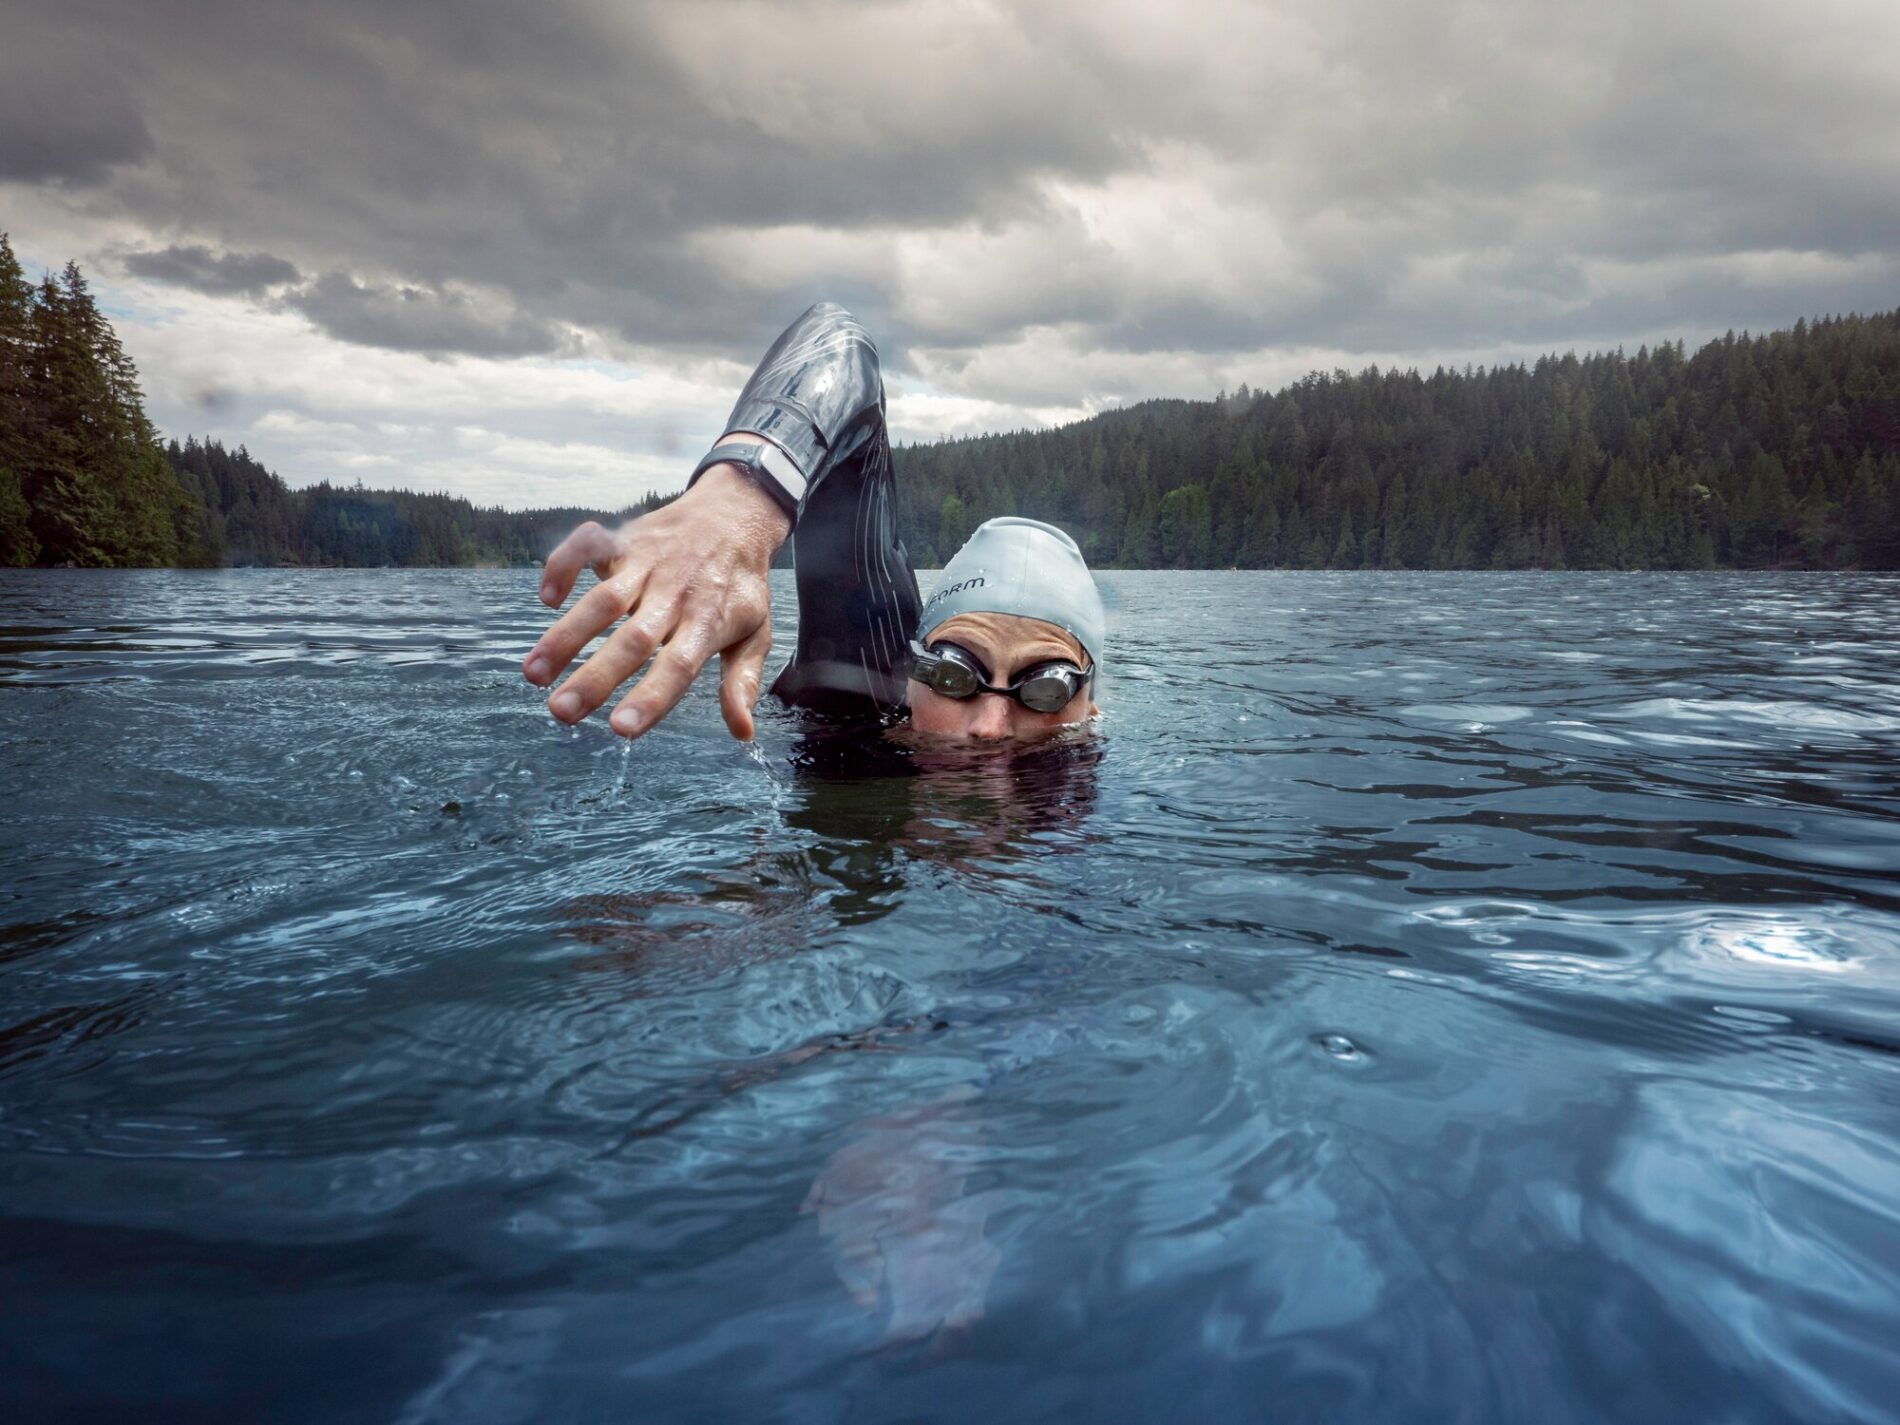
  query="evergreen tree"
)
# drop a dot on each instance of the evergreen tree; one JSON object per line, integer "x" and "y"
{"x": 1185, "y": 528}
{"x": 84, "y": 459}
{"x": 953, "y": 526}
{"x": 18, "y": 544}
{"x": 63, "y": 481}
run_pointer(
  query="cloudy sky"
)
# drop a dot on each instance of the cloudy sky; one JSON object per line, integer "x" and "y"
{"x": 526, "y": 250}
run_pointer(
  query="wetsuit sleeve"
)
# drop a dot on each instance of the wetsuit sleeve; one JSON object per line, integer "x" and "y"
{"x": 819, "y": 396}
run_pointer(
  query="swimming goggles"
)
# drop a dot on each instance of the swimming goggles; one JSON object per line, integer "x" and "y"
{"x": 956, "y": 673}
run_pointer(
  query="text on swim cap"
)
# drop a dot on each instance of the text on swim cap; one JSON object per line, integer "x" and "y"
{"x": 974, "y": 583}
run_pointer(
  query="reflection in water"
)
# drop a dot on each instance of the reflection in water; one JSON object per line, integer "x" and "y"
{"x": 877, "y": 810}
{"x": 906, "y": 1238}
{"x": 905, "y": 1232}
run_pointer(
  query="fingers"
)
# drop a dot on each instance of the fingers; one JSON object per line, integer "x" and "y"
{"x": 575, "y": 629}
{"x": 615, "y": 661}
{"x": 588, "y": 544}
{"x": 665, "y": 683}
{"x": 740, "y": 669}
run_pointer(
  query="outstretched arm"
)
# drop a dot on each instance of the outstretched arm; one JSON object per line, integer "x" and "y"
{"x": 689, "y": 579}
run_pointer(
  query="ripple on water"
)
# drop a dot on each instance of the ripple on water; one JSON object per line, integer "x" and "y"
{"x": 1802, "y": 716}
{"x": 1815, "y": 941}
{"x": 1763, "y": 1186}
{"x": 1443, "y": 997}
{"x": 1611, "y": 971}
{"x": 1477, "y": 714}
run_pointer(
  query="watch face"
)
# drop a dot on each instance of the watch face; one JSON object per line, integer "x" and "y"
{"x": 777, "y": 466}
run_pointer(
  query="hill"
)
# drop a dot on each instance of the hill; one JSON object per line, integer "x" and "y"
{"x": 1772, "y": 451}
{"x": 1764, "y": 451}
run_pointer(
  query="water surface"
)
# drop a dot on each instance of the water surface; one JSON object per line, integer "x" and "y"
{"x": 1426, "y": 997}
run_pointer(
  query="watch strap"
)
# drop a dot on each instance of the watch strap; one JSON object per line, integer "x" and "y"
{"x": 765, "y": 464}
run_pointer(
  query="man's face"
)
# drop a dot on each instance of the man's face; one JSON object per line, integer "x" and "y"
{"x": 1006, "y": 646}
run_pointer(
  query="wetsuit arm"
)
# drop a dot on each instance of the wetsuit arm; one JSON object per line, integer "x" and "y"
{"x": 689, "y": 579}
{"x": 817, "y": 395}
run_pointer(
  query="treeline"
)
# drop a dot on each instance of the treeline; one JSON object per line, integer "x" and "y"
{"x": 84, "y": 480}
{"x": 247, "y": 515}
{"x": 1757, "y": 452}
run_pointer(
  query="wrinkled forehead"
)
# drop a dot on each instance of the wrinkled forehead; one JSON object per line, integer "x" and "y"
{"x": 1009, "y": 637}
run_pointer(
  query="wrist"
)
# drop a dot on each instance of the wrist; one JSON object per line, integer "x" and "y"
{"x": 747, "y": 506}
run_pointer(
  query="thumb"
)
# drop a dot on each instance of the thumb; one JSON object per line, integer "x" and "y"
{"x": 741, "y": 667}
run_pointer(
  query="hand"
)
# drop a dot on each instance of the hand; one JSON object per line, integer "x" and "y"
{"x": 892, "y": 1205}
{"x": 690, "y": 577}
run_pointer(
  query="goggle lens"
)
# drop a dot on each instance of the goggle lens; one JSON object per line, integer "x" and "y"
{"x": 954, "y": 678}
{"x": 1046, "y": 693}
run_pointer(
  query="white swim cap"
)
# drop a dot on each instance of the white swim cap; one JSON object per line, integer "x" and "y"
{"x": 1023, "y": 567}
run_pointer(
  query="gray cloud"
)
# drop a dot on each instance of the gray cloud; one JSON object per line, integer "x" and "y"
{"x": 1348, "y": 174}
{"x": 406, "y": 318}
{"x": 214, "y": 273}
{"x": 50, "y": 132}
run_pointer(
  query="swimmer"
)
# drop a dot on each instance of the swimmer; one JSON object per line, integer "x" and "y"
{"x": 1010, "y": 644}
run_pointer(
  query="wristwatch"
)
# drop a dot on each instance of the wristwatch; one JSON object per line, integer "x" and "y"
{"x": 768, "y": 466}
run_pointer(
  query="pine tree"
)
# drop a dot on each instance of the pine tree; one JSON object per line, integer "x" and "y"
{"x": 80, "y": 454}
{"x": 953, "y": 526}
{"x": 17, "y": 542}
{"x": 61, "y": 479}
{"x": 1185, "y": 528}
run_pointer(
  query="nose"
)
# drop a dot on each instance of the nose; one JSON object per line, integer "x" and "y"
{"x": 990, "y": 717}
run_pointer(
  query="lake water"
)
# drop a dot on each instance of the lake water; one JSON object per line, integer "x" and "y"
{"x": 1426, "y": 997}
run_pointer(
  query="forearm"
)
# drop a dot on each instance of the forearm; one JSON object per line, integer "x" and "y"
{"x": 816, "y": 394}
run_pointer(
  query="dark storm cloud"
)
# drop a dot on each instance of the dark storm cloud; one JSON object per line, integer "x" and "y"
{"x": 49, "y": 133}
{"x": 1352, "y": 174}
{"x": 215, "y": 273}
{"x": 418, "y": 319}
{"x": 557, "y": 151}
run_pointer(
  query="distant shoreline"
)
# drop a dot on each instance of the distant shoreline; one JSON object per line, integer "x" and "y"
{"x": 1775, "y": 452}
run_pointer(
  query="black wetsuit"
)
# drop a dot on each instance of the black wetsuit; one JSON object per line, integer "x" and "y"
{"x": 818, "y": 395}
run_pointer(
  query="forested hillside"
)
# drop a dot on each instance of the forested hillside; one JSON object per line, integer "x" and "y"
{"x": 1776, "y": 450}
{"x": 1756, "y": 452}
{"x": 249, "y": 516}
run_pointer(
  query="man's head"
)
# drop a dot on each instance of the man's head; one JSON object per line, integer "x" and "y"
{"x": 1017, "y": 607}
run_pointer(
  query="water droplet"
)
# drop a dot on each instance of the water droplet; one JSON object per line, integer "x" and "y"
{"x": 1341, "y": 1048}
